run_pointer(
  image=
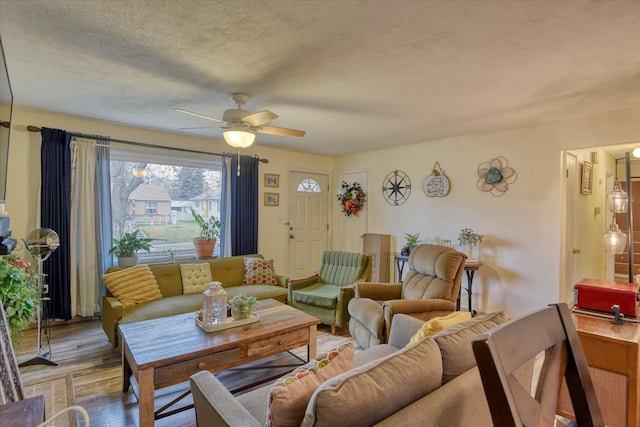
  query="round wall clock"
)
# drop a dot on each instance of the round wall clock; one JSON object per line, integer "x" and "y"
{"x": 396, "y": 187}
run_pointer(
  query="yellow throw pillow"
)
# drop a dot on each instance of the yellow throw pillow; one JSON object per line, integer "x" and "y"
{"x": 133, "y": 285}
{"x": 437, "y": 324}
{"x": 195, "y": 277}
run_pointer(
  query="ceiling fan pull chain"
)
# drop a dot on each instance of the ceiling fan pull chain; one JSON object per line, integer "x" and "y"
{"x": 238, "y": 172}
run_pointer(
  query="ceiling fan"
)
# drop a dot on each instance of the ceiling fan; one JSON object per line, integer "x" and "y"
{"x": 240, "y": 126}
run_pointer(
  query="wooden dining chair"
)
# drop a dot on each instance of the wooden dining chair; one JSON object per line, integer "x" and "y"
{"x": 12, "y": 389}
{"x": 550, "y": 335}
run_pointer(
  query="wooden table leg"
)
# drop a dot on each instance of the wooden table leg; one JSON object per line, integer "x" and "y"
{"x": 311, "y": 348}
{"x": 126, "y": 372}
{"x": 146, "y": 398}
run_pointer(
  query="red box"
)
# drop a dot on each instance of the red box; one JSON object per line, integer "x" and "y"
{"x": 601, "y": 295}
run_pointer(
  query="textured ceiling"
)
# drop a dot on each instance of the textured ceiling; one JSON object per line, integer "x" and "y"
{"x": 356, "y": 75}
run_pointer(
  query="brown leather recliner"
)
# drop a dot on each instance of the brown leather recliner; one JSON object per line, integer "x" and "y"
{"x": 430, "y": 289}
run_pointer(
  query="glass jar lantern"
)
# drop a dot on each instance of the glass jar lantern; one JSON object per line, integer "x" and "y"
{"x": 214, "y": 305}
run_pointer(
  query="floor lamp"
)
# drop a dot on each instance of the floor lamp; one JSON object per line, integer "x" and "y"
{"x": 41, "y": 243}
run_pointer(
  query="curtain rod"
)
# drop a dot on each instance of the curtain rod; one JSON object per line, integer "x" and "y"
{"x": 31, "y": 128}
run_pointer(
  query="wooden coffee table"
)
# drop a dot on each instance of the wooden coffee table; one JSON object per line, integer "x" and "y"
{"x": 161, "y": 352}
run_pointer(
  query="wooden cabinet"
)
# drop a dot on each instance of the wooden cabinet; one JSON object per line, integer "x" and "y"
{"x": 612, "y": 352}
{"x": 379, "y": 247}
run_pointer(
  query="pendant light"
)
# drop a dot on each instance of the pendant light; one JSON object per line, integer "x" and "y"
{"x": 614, "y": 239}
{"x": 618, "y": 199}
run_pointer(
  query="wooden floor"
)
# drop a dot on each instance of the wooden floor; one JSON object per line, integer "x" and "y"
{"x": 93, "y": 371}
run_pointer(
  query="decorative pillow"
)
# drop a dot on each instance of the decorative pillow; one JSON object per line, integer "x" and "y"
{"x": 133, "y": 285}
{"x": 195, "y": 277}
{"x": 437, "y": 324}
{"x": 258, "y": 271}
{"x": 372, "y": 392}
{"x": 289, "y": 396}
{"x": 455, "y": 343}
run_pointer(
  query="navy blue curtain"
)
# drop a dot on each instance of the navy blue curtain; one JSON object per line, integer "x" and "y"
{"x": 55, "y": 213}
{"x": 244, "y": 205}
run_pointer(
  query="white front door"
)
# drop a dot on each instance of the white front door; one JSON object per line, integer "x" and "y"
{"x": 308, "y": 226}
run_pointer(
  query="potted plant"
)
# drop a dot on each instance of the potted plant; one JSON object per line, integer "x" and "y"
{"x": 19, "y": 293}
{"x": 468, "y": 238}
{"x": 209, "y": 232}
{"x": 127, "y": 247}
{"x": 241, "y": 306}
{"x": 411, "y": 240}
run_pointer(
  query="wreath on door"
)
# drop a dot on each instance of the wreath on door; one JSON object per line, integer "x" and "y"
{"x": 352, "y": 198}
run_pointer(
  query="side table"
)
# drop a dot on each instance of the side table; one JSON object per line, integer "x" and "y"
{"x": 470, "y": 268}
{"x": 613, "y": 355}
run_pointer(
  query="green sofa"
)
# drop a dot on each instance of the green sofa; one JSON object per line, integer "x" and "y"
{"x": 229, "y": 271}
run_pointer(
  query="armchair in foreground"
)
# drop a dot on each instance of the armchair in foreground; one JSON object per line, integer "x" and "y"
{"x": 429, "y": 290}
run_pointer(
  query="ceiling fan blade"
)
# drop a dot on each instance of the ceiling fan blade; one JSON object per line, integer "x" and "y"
{"x": 260, "y": 118}
{"x": 180, "y": 110}
{"x": 272, "y": 130}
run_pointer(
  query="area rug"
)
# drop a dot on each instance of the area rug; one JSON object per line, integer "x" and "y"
{"x": 58, "y": 394}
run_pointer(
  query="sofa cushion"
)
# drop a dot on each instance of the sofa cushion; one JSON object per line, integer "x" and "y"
{"x": 132, "y": 285}
{"x": 437, "y": 324}
{"x": 168, "y": 306}
{"x": 258, "y": 271}
{"x": 320, "y": 294}
{"x": 259, "y": 291}
{"x": 289, "y": 395}
{"x": 341, "y": 268}
{"x": 455, "y": 343}
{"x": 372, "y": 392}
{"x": 230, "y": 271}
{"x": 195, "y": 277}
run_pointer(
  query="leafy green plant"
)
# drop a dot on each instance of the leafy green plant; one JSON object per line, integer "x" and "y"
{"x": 209, "y": 228}
{"x": 19, "y": 293}
{"x": 242, "y": 301}
{"x": 130, "y": 244}
{"x": 412, "y": 240}
{"x": 469, "y": 237}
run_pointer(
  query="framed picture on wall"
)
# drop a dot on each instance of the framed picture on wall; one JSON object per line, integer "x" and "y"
{"x": 271, "y": 199}
{"x": 587, "y": 179}
{"x": 271, "y": 180}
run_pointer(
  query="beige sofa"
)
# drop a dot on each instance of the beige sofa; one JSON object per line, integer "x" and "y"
{"x": 432, "y": 382}
{"x": 229, "y": 271}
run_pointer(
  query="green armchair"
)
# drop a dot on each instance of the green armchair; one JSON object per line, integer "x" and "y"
{"x": 327, "y": 293}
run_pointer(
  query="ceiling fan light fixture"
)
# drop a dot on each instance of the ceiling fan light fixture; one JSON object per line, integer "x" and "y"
{"x": 239, "y": 138}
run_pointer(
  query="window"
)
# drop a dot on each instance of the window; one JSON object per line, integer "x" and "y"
{"x": 309, "y": 185}
{"x": 151, "y": 208}
{"x": 155, "y": 193}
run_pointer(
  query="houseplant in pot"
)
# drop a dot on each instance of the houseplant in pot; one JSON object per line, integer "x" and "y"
{"x": 241, "y": 306}
{"x": 411, "y": 240}
{"x": 127, "y": 247}
{"x": 19, "y": 293}
{"x": 209, "y": 232}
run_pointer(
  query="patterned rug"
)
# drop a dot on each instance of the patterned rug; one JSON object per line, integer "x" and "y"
{"x": 58, "y": 394}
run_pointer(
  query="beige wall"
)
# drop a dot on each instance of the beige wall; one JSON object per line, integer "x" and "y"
{"x": 523, "y": 229}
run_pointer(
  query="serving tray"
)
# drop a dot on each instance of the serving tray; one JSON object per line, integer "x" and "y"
{"x": 230, "y": 323}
